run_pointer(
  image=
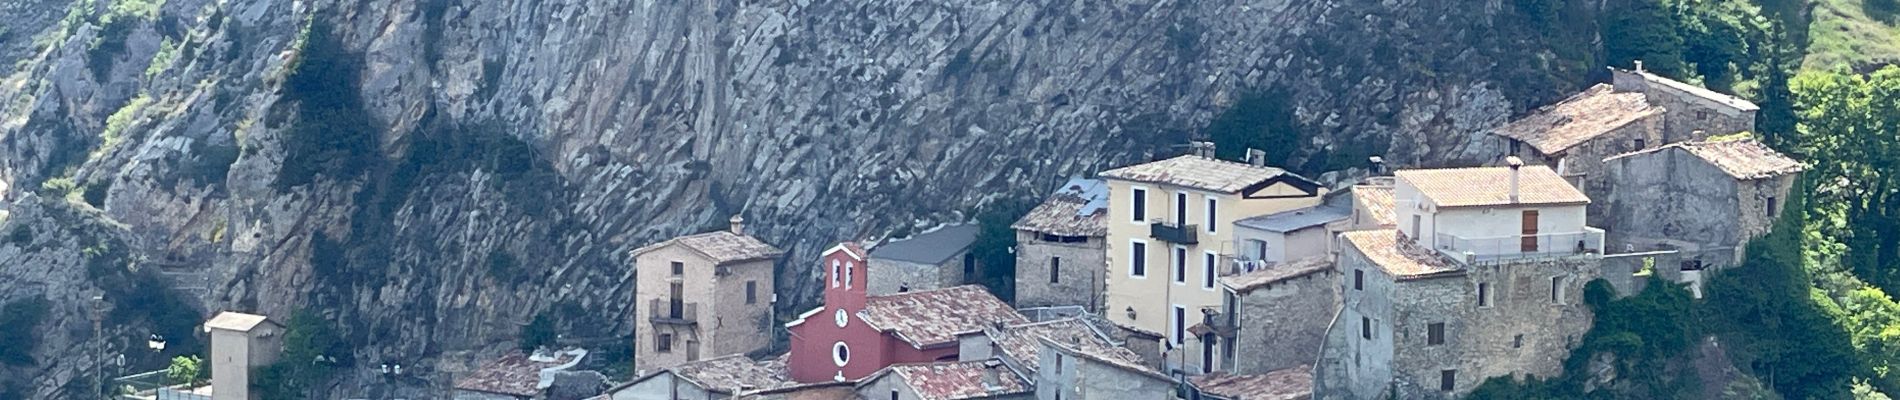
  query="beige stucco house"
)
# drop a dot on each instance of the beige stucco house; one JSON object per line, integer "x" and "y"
{"x": 1170, "y": 227}
{"x": 240, "y": 342}
{"x": 702, "y": 296}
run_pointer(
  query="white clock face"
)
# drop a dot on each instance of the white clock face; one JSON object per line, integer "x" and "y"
{"x": 841, "y": 317}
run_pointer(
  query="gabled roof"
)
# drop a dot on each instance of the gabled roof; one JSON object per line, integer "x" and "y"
{"x": 1077, "y": 209}
{"x": 932, "y": 247}
{"x": 518, "y": 374}
{"x": 1020, "y": 342}
{"x": 954, "y": 380}
{"x": 720, "y": 246}
{"x": 1204, "y": 173}
{"x": 1294, "y": 383}
{"x": 1276, "y": 273}
{"x": 237, "y": 321}
{"x": 1117, "y": 357}
{"x": 1296, "y": 219}
{"x": 729, "y": 374}
{"x": 1491, "y": 186}
{"x": 1584, "y": 116}
{"x": 1743, "y": 159}
{"x": 852, "y": 249}
{"x": 934, "y": 317}
{"x": 1400, "y": 258}
{"x": 1698, "y": 91}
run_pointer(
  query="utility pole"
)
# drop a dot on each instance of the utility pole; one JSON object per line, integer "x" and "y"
{"x": 99, "y": 352}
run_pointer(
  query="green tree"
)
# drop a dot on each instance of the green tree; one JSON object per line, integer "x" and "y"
{"x": 537, "y": 333}
{"x": 187, "y": 370}
{"x": 1259, "y": 120}
{"x": 312, "y": 353}
{"x": 995, "y": 245}
{"x": 1642, "y": 30}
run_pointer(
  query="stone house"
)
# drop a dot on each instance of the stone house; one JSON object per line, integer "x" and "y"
{"x": 935, "y": 259}
{"x": 1636, "y": 111}
{"x": 1706, "y": 198}
{"x": 240, "y": 343}
{"x": 1292, "y": 383}
{"x": 1072, "y": 371}
{"x": 854, "y": 334}
{"x": 703, "y": 295}
{"x": 1372, "y": 204}
{"x": 1016, "y": 345}
{"x": 1482, "y": 278}
{"x": 1276, "y": 317}
{"x": 1061, "y": 246}
{"x": 1170, "y": 225}
{"x": 946, "y": 381}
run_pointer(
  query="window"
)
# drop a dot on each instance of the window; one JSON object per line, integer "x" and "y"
{"x": 1484, "y": 294}
{"x": 1417, "y": 222}
{"x": 1518, "y": 341}
{"x": 679, "y": 268}
{"x": 1180, "y": 264}
{"x": 1178, "y": 324}
{"x": 1365, "y": 328}
{"x": 894, "y": 394}
{"x": 1771, "y": 206}
{"x": 1058, "y": 363}
{"x": 835, "y": 273}
{"x": 1055, "y": 269}
{"x": 1063, "y": 239}
{"x": 1435, "y": 334}
{"x": 751, "y": 292}
{"x": 1447, "y": 380}
{"x": 1213, "y": 204}
{"x": 969, "y": 265}
{"x": 1207, "y": 269}
{"x": 840, "y": 354}
{"x": 1557, "y": 290}
{"x": 1139, "y": 212}
{"x": 663, "y": 343}
{"x": 1259, "y": 249}
{"x": 1180, "y": 208}
{"x": 1639, "y": 143}
{"x": 850, "y": 271}
{"x": 1358, "y": 279}
{"x": 1138, "y": 259}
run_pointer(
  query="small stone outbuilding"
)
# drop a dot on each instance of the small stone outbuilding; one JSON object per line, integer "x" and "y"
{"x": 1706, "y": 199}
{"x": 935, "y": 259}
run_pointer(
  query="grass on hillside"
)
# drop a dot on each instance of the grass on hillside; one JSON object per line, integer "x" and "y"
{"x": 1854, "y": 34}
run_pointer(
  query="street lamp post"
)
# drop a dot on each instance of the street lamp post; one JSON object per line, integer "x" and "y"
{"x": 99, "y": 353}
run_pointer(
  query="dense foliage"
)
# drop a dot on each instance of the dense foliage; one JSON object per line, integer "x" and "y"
{"x": 187, "y": 370}
{"x": 332, "y": 135}
{"x": 995, "y": 245}
{"x": 537, "y": 333}
{"x": 313, "y": 352}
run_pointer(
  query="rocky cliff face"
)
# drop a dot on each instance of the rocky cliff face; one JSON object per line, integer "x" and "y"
{"x": 496, "y": 159}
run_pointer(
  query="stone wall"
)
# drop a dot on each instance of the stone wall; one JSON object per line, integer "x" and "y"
{"x": 724, "y": 324}
{"x": 1532, "y": 319}
{"x": 1584, "y": 165}
{"x": 888, "y": 276}
{"x": 741, "y": 327}
{"x": 1672, "y": 198}
{"x": 1282, "y": 325}
{"x": 1085, "y": 379}
{"x": 1686, "y": 112}
{"x": 1080, "y": 277}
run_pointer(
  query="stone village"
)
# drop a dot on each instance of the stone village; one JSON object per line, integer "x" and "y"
{"x": 1197, "y": 278}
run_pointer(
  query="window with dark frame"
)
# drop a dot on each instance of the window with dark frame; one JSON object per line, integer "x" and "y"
{"x": 1447, "y": 380}
{"x": 1771, "y": 206}
{"x": 751, "y": 292}
{"x": 1138, "y": 259}
{"x": 1180, "y": 264}
{"x": 1358, "y": 279}
{"x": 1139, "y": 213}
{"x": 1055, "y": 269}
{"x": 1518, "y": 341}
{"x": 679, "y": 268}
{"x": 663, "y": 343}
{"x": 1484, "y": 294}
{"x": 1365, "y": 328}
{"x": 1435, "y": 334}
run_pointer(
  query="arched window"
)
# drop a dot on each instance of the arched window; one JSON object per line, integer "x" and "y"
{"x": 849, "y": 272}
{"x": 834, "y": 273}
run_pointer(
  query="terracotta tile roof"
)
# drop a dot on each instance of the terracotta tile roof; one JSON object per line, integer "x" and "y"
{"x": 1199, "y": 173}
{"x": 933, "y": 317}
{"x": 1491, "y": 186}
{"x": 957, "y": 380}
{"x": 1247, "y": 282}
{"x": 1741, "y": 159}
{"x": 1113, "y": 356}
{"x": 811, "y": 391}
{"x": 1400, "y": 258}
{"x": 516, "y": 374}
{"x": 1376, "y": 198}
{"x": 236, "y": 321}
{"x": 1021, "y": 342}
{"x": 734, "y": 374}
{"x": 1078, "y": 209}
{"x": 1584, "y": 116}
{"x": 1287, "y": 384}
{"x": 721, "y": 246}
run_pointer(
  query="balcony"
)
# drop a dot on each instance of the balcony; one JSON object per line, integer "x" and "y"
{"x": 1241, "y": 265}
{"x": 1174, "y": 233}
{"x": 665, "y": 312}
{"x": 1508, "y": 248}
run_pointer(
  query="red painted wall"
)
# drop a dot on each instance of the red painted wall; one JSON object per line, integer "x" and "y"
{"x": 813, "y": 340}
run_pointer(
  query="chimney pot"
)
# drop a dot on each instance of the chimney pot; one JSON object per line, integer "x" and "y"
{"x": 1378, "y": 165}
{"x": 1517, "y": 165}
{"x": 737, "y": 224}
{"x": 1639, "y": 65}
{"x": 1257, "y": 157}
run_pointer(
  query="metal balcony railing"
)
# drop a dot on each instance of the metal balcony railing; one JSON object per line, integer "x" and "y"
{"x": 669, "y": 312}
{"x": 1547, "y": 245}
{"x": 1174, "y": 232}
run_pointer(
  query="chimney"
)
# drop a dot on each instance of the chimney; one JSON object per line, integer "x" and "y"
{"x": 1639, "y": 65}
{"x": 1378, "y": 165}
{"x": 738, "y": 224}
{"x": 1516, "y": 166}
{"x": 1257, "y": 157}
{"x": 992, "y": 375}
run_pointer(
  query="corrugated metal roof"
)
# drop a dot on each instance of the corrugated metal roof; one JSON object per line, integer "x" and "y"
{"x": 1297, "y": 219}
{"x": 932, "y": 247}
